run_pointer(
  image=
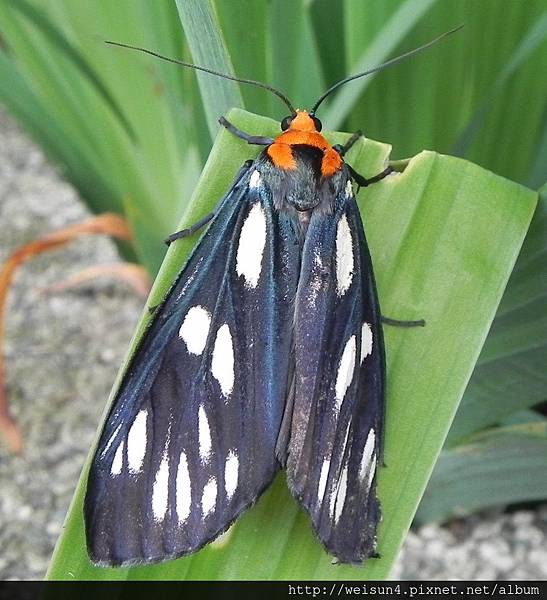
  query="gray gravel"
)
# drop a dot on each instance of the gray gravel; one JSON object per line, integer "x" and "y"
{"x": 63, "y": 352}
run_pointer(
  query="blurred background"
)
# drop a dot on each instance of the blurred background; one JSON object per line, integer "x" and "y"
{"x": 86, "y": 129}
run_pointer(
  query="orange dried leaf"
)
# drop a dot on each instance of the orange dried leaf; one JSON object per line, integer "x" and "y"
{"x": 132, "y": 274}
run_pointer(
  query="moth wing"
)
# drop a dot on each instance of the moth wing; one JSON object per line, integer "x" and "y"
{"x": 190, "y": 440}
{"x": 337, "y": 409}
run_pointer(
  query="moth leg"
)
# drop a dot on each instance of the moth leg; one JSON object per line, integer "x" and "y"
{"x": 363, "y": 181}
{"x": 344, "y": 148}
{"x": 399, "y": 323}
{"x": 189, "y": 230}
{"x": 257, "y": 140}
{"x": 204, "y": 220}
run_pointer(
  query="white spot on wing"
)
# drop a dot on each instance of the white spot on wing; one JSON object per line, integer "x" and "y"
{"x": 371, "y": 473}
{"x": 252, "y": 241}
{"x": 367, "y": 454}
{"x": 191, "y": 278}
{"x": 184, "y": 489}
{"x": 345, "y": 445}
{"x": 231, "y": 474}
{"x": 204, "y": 435}
{"x": 345, "y": 371}
{"x": 316, "y": 282}
{"x": 117, "y": 463}
{"x": 111, "y": 440}
{"x": 255, "y": 179}
{"x": 136, "y": 442}
{"x": 366, "y": 341}
{"x": 323, "y": 480}
{"x": 160, "y": 490}
{"x": 209, "y": 498}
{"x": 344, "y": 256}
{"x": 341, "y": 493}
{"x": 332, "y": 503}
{"x": 349, "y": 189}
{"x": 222, "y": 364}
{"x": 195, "y": 328}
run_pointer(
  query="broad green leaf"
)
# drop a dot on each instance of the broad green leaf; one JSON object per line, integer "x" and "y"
{"x": 500, "y": 466}
{"x": 444, "y": 235}
{"x": 510, "y": 373}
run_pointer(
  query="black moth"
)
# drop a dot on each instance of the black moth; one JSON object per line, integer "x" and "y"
{"x": 266, "y": 353}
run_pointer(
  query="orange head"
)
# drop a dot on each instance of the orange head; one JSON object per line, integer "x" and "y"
{"x": 302, "y": 128}
{"x": 301, "y": 120}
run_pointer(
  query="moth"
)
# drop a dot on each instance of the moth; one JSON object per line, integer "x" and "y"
{"x": 266, "y": 353}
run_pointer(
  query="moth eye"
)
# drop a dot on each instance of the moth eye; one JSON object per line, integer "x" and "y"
{"x": 317, "y": 123}
{"x": 286, "y": 123}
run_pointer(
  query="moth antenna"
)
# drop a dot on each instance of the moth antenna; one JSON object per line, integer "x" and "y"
{"x": 389, "y": 63}
{"x": 181, "y": 63}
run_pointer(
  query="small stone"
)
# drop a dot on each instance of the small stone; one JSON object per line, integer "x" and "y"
{"x": 24, "y": 513}
{"x": 522, "y": 518}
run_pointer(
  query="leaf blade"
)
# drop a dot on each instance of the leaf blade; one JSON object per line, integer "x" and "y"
{"x": 510, "y": 373}
{"x": 208, "y": 48}
{"x": 502, "y": 466}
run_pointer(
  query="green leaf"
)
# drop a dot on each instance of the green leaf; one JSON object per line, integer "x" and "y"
{"x": 536, "y": 175}
{"x": 206, "y": 41}
{"x": 523, "y": 417}
{"x": 444, "y": 236}
{"x": 510, "y": 373}
{"x": 497, "y": 467}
